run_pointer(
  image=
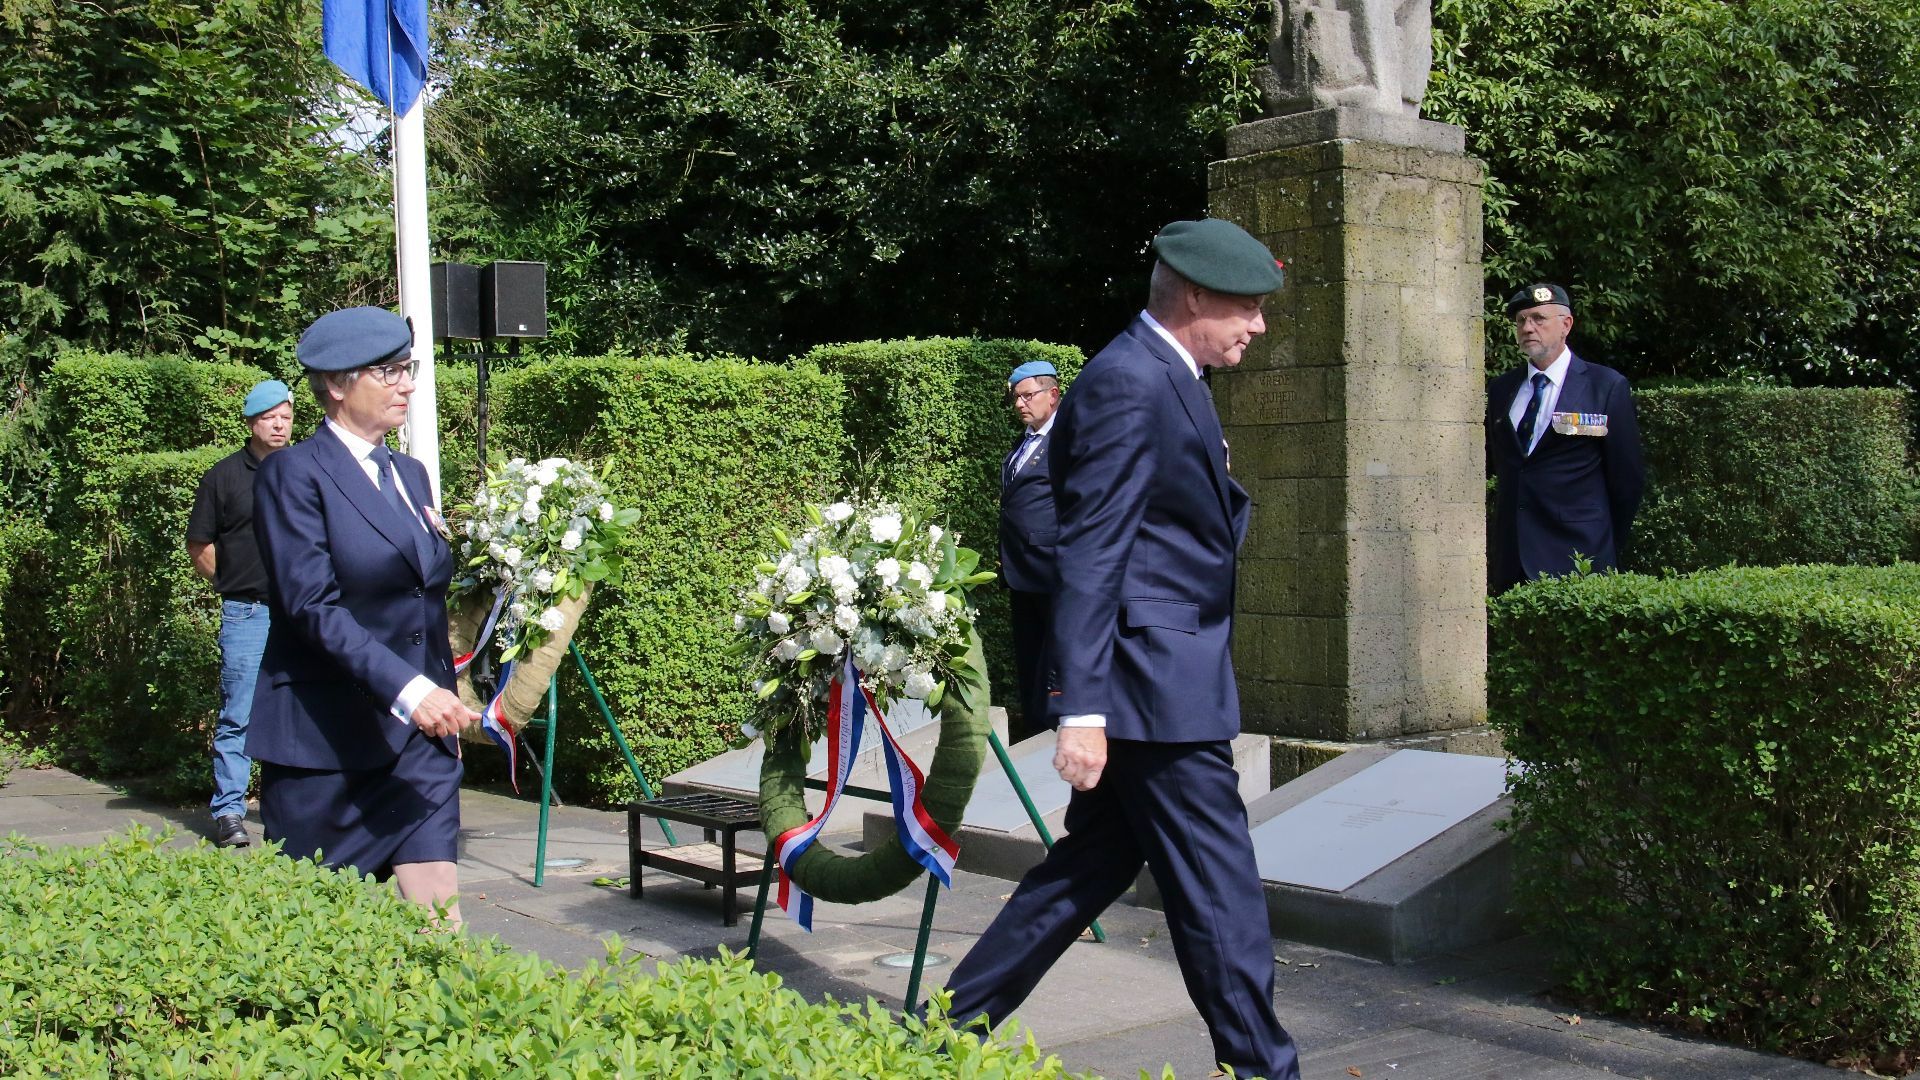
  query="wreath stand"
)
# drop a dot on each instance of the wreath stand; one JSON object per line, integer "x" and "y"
{"x": 551, "y": 723}
{"x": 933, "y": 883}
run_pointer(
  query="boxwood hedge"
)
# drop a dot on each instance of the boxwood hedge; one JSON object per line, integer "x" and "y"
{"x": 136, "y": 959}
{"x": 1718, "y": 797}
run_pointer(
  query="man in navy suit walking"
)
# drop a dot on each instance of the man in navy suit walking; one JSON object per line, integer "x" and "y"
{"x": 1027, "y": 532}
{"x": 1563, "y": 444}
{"x": 1149, "y": 526}
{"x": 354, "y": 716}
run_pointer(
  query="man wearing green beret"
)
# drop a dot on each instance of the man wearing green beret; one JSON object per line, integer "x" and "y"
{"x": 1563, "y": 443}
{"x": 1143, "y": 690}
{"x": 221, "y": 546}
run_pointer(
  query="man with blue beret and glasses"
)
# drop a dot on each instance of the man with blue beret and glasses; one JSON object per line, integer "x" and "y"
{"x": 1027, "y": 529}
{"x": 220, "y": 542}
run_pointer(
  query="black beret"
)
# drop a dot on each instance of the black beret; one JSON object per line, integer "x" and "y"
{"x": 1537, "y": 294}
{"x": 1216, "y": 254}
{"x": 353, "y": 338}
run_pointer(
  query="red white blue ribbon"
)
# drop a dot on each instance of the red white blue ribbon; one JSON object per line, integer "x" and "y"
{"x": 493, "y": 718}
{"x": 848, "y": 706}
{"x": 486, "y": 633}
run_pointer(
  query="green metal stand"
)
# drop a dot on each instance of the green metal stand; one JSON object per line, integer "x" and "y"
{"x": 552, "y": 724}
{"x": 1033, "y": 812}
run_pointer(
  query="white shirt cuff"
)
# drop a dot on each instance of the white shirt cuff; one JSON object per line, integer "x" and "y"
{"x": 1098, "y": 720}
{"x": 411, "y": 695}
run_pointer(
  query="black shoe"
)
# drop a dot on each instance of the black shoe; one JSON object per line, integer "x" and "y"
{"x": 230, "y": 830}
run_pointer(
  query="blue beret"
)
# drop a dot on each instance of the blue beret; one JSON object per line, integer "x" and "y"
{"x": 1537, "y": 294}
{"x": 1216, "y": 254}
{"x": 354, "y": 337}
{"x": 1028, "y": 370}
{"x": 264, "y": 396}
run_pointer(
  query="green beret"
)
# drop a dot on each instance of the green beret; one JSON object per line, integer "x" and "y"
{"x": 353, "y": 338}
{"x": 1216, "y": 254}
{"x": 1538, "y": 293}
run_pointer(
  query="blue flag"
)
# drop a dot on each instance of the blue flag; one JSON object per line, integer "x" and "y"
{"x": 382, "y": 44}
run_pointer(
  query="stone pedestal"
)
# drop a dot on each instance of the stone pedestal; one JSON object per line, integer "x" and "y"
{"x": 1355, "y": 423}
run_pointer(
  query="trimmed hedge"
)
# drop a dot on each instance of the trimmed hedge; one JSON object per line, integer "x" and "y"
{"x": 1770, "y": 476}
{"x": 713, "y": 453}
{"x": 131, "y": 959}
{"x": 1718, "y": 804}
{"x": 932, "y": 419}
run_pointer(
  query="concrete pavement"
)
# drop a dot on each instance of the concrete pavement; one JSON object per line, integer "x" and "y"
{"x": 1113, "y": 1009}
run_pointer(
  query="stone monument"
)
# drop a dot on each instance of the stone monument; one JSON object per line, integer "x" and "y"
{"x": 1355, "y": 422}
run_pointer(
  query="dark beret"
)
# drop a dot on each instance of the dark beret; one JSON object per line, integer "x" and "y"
{"x": 353, "y": 338}
{"x": 1537, "y": 294}
{"x": 1216, "y": 254}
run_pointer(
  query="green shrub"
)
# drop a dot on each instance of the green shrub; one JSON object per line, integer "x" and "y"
{"x": 1718, "y": 797}
{"x": 1768, "y": 476}
{"x": 132, "y": 959}
{"x": 139, "y": 631}
{"x": 931, "y": 419}
{"x": 713, "y": 453}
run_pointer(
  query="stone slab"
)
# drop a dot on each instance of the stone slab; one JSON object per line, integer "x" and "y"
{"x": 1333, "y": 839}
{"x": 1323, "y": 125}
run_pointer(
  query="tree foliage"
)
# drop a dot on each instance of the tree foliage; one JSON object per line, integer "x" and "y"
{"x": 763, "y": 175}
{"x": 169, "y": 176}
{"x": 1729, "y": 185}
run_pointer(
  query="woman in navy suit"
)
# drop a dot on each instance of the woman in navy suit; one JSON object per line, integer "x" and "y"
{"x": 355, "y": 721}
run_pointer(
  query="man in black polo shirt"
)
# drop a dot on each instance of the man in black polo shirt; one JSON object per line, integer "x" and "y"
{"x": 220, "y": 542}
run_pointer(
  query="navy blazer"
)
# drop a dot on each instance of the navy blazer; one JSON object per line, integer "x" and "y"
{"x": 1150, "y": 524}
{"x": 355, "y": 615}
{"x": 1574, "y": 493}
{"x": 1028, "y": 527}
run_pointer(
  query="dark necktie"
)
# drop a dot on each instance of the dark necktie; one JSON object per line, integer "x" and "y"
{"x": 383, "y": 457}
{"x": 1529, "y": 421}
{"x": 1020, "y": 455}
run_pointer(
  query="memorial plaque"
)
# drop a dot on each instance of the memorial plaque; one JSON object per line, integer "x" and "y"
{"x": 1338, "y": 837}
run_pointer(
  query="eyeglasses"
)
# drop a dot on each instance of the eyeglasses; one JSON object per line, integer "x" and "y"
{"x": 388, "y": 374}
{"x": 1031, "y": 394}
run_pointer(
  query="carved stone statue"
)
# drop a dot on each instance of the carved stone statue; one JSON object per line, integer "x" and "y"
{"x": 1356, "y": 54}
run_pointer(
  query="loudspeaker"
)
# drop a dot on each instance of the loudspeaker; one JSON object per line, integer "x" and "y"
{"x": 456, "y": 301}
{"x": 513, "y": 300}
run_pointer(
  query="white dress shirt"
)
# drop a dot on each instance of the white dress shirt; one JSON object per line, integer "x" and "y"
{"x": 1028, "y": 446}
{"x": 1556, "y": 373}
{"x": 420, "y": 686}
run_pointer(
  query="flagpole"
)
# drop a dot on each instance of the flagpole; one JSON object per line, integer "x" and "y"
{"x": 416, "y": 287}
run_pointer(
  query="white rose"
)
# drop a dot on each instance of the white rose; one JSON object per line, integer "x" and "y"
{"x": 834, "y": 566}
{"x": 553, "y": 619}
{"x": 919, "y": 684}
{"x": 869, "y": 654}
{"x": 606, "y": 511}
{"x": 838, "y": 512}
{"x": 530, "y": 513}
{"x": 846, "y": 618}
{"x": 845, "y": 589}
{"x": 511, "y": 556}
{"x": 548, "y": 471}
{"x": 497, "y": 551}
{"x": 779, "y": 623}
{"x": 787, "y": 650}
{"x": 517, "y": 610}
{"x": 478, "y": 530}
{"x": 795, "y": 579}
{"x": 570, "y": 542}
{"x": 892, "y": 658}
{"x": 888, "y": 571}
{"x": 542, "y": 580}
{"x": 534, "y": 492}
{"x": 936, "y": 604}
{"x": 827, "y": 642}
{"x": 885, "y": 528}
{"x": 934, "y": 533}
{"x": 920, "y": 575}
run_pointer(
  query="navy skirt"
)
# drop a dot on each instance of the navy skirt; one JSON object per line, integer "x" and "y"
{"x": 371, "y": 820}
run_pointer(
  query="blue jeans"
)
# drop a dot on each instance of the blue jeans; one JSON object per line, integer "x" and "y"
{"x": 243, "y": 638}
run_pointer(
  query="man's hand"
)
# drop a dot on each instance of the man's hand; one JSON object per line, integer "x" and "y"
{"x": 1080, "y": 756}
{"x": 441, "y": 713}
